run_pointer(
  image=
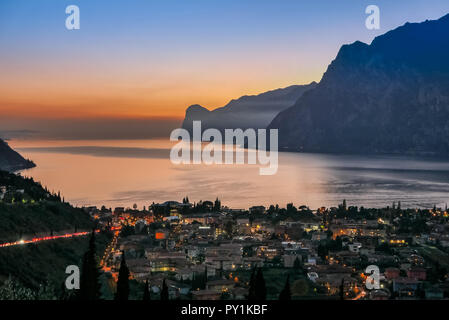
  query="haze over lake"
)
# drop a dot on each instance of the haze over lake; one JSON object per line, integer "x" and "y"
{"x": 124, "y": 172}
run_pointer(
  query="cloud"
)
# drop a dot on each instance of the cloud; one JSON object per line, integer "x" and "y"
{"x": 90, "y": 128}
{"x": 12, "y": 134}
{"x": 96, "y": 151}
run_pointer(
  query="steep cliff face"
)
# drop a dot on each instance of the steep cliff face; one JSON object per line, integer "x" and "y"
{"x": 391, "y": 96}
{"x": 247, "y": 111}
{"x": 10, "y": 160}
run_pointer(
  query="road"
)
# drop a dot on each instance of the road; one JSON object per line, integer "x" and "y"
{"x": 40, "y": 239}
{"x": 362, "y": 294}
{"x": 109, "y": 251}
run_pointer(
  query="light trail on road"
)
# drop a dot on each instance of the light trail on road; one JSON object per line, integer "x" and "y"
{"x": 359, "y": 296}
{"x": 40, "y": 239}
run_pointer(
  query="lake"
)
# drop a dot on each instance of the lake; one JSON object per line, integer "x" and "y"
{"x": 121, "y": 173}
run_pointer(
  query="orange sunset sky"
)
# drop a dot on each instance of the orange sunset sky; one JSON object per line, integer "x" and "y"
{"x": 137, "y": 60}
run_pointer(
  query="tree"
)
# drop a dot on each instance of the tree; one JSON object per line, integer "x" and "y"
{"x": 195, "y": 283}
{"x": 90, "y": 274}
{"x": 229, "y": 227}
{"x": 65, "y": 295}
{"x": 164, "y": 291}
{"x": 291, "y": 209}
{"x": 261, "y": 290}
{"x": 46, "y": 292}
{"x": 334, "y": 245}
{"x": 300, "y": 288}
{"x": 322, "y": 251}
{"x": 437, "y": 273}
{"x": 146, "y": 292}
{"x": 248, "y": 251}
{"x": 297, "y": 264}
{"x": 217, "y": 205}
{"x": 199, "y": 281}
{"x": 342, "y": 289}
{"x": 252, "y": 286}
{"x": 205, "y": 278}
{"x": 123, "y": 281}
{"x": 13, "y": 290}
{"x": 286, "y": 293}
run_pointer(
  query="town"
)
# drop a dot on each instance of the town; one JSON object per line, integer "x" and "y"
{"x": 207, "y": 251}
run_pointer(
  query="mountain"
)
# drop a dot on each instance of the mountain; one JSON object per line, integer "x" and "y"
{"x": 10, "y": 160}
{"x": 391, "y": 96}
{"x": 248, "y": 111}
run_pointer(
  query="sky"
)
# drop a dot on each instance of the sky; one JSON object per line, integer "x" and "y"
{"x": 134, "y": 66}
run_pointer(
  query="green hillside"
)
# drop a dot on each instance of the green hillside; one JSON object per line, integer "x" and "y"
{"x": 44, "y": 263}
{"x": 26, "y": 208}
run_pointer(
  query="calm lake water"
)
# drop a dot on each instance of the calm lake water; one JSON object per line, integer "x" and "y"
{"x": 121, "y": 173}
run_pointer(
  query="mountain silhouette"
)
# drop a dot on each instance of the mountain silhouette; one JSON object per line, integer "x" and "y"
{"x": 391, "y": 96}
{"x": 248, "y": 111}
{"x": 10, "y": 160}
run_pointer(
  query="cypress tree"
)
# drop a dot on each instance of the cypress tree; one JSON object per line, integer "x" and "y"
{"x": 342, "y": 289}
{"x": 64, "y": 295}
{"x": 90, "y": 274}
{"x": 197, "y": 281}
{"x": 146, "y": 292}
{"x": 205, "y": 279}
{"x": 252, "y": 286}
{"x": 261, "y": 290}
{"x": 297, "y": 264}
{"x": 123, "y": 281}
{"x": 164, "y": 291}
{"x": 194, "y": 282}
{"x": 286, "y": 293}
